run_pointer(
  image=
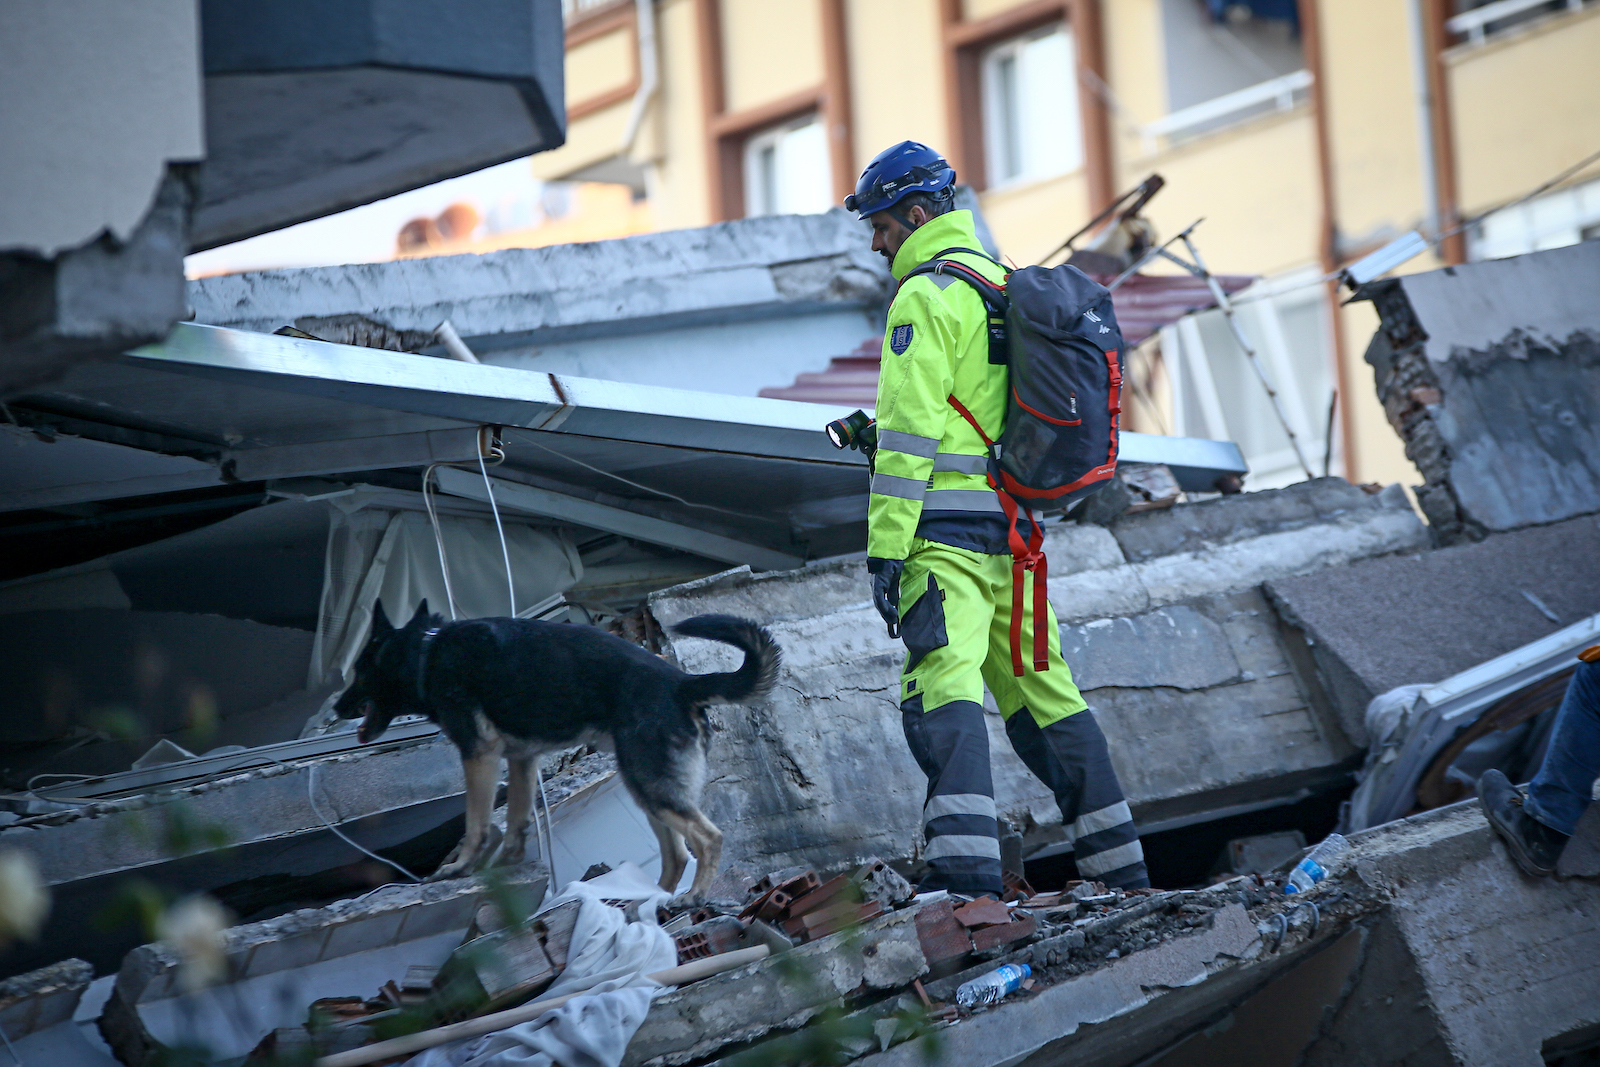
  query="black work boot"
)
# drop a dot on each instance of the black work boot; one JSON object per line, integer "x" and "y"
{"x": 1534, "y": 846}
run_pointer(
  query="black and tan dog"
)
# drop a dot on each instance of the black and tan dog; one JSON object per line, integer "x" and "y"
{"x": 517, "y": 687}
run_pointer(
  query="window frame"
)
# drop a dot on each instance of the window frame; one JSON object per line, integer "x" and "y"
{"x": 769, "y": 138}
{"x": 996, "y": 120}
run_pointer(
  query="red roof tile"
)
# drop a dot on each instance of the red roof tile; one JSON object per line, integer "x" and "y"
{"x": 1144, "y": 303}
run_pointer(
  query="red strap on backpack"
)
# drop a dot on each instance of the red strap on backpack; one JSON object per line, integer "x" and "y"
{"x": 1027, "y": 554}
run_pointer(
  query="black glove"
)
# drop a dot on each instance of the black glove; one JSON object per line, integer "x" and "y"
{"x": 886, "y": 590}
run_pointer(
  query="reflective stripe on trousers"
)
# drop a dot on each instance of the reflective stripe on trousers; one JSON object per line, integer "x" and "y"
{"x": 1070, "y": 756}
{"x": 951, "y": 745}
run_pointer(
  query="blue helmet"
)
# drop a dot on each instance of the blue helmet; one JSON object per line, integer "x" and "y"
{"x": 897, "y": 172}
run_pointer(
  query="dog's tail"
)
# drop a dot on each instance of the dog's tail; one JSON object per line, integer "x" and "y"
{"x": 752, "y": 680}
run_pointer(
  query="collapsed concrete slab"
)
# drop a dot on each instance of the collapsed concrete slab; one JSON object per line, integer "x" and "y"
{"x": 278, "y": 967}
{"x": 782, "y": 992}
{"x": 1222, "y": 719}
{"x": 1491, "y": 373}
{"x": 259, "y": 838}
{"x": 1383, "y": 623}
{"x": 1505, "y": 964}
{"x": 661, "y": 309}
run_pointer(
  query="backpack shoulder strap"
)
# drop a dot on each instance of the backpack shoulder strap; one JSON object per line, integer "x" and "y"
{"x": 993, "y": 296}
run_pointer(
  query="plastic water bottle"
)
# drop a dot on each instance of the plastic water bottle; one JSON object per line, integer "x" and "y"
{"x": 1314, "y": 868}
{"x": 993, "y": 986}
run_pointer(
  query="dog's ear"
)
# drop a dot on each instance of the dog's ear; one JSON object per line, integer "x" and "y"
{"x": 380, "y": 620}
{"x": 419, "y": 618}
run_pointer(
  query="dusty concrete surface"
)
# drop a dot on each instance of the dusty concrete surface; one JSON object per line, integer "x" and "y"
{"x": 820, "y": 774}
{"x": 1382, "y": 623}
{"x": 1491, "y": 373}
{"x": 382, "y": 797}
{"x": 780, "y": 992}
{"x": 744, "y": 268}
{"x": 1507, "y": 962}
{"x": 291, "y": 960}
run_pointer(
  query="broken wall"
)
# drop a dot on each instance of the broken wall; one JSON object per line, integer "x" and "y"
{"x": 1179, "y": 654}
{"x": 1490, "y": 372}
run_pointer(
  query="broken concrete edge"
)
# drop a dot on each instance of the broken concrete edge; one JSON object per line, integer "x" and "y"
{"x": 782, "y": 992}
{"x": 1224, "y": 926}
{"x": 1451, "y": 345}
{"x": 392, "y": 915}
{"x": 40, "y": 999}
{"x": 109, "y": 837}
{"x": 101, "y": 298}
{"x": 1207, "y": 933}
{"x": 1188, "y": 551}
{"x": 758, "y": 266}
{"x": 223, "y": 780}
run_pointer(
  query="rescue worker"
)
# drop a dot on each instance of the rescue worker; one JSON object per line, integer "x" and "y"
{"x": 940, "y": 563}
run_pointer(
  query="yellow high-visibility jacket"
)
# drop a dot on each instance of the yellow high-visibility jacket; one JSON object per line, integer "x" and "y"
{"x": 929, "y": 473}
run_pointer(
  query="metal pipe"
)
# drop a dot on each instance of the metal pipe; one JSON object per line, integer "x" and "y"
{"x": 1221, "y": 298}
{"x": 649, "y": 75}
{"x": 1422, "y": 86}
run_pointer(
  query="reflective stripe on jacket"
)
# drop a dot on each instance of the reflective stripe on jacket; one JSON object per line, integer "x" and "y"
{"x": 930, "y": 462}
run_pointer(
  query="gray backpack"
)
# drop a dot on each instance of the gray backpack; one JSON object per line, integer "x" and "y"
{"x": 1054, "y": 328}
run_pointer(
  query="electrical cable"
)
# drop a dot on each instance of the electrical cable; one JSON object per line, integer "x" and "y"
{"x": 636, "y": 485}
{"x": 1557, "y": 180}
{"x": 505, "y": 553}
{"x": 57, "y": 774}
{"x": 7, "y": 1038}
{"x": 311, "y": 779}
{"x": 438, "y": 541}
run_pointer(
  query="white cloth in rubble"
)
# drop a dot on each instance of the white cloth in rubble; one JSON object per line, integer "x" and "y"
{"x": 609, "y": 962}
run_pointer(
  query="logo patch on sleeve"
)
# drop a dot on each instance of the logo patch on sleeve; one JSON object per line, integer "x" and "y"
{"x": 900, "y": 339}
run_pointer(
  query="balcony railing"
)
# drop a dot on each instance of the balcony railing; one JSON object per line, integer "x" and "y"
{"x": 1474, "y": 24}
{"x": 1190, "y": 120}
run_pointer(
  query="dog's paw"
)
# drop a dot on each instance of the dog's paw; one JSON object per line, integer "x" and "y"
{"x": 686, "y": 900}
{"x": 448, "y": 871}
{"x": 513, "y": 850}
{"x": 461, "y": 862}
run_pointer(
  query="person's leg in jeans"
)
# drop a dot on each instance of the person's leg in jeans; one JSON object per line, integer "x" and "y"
{"x": 1537, "y": 823}
{"x": 1560, "y": 793}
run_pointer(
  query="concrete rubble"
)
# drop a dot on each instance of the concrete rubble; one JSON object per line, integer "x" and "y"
{"x": 1164, "y": 622}
{"x": 1229, "y": 646}
{"x": 1423, "y": 946}
{"x": 405, "y": 799}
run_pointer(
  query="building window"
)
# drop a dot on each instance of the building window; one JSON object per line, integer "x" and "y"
{"x": 786, "y": 170}
{"x": 1227, "y": 62}
{"x": 1477, "y": 20}
{"x": 1030, "y": 108}
{"x": 1550, "y": 221}
{"x": 1216, "y": 394}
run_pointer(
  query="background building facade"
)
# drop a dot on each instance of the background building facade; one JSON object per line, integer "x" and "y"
{"x": 1306, "y": 134}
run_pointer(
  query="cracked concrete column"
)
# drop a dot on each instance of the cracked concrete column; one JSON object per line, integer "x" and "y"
{"x": 100, "y": 113}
